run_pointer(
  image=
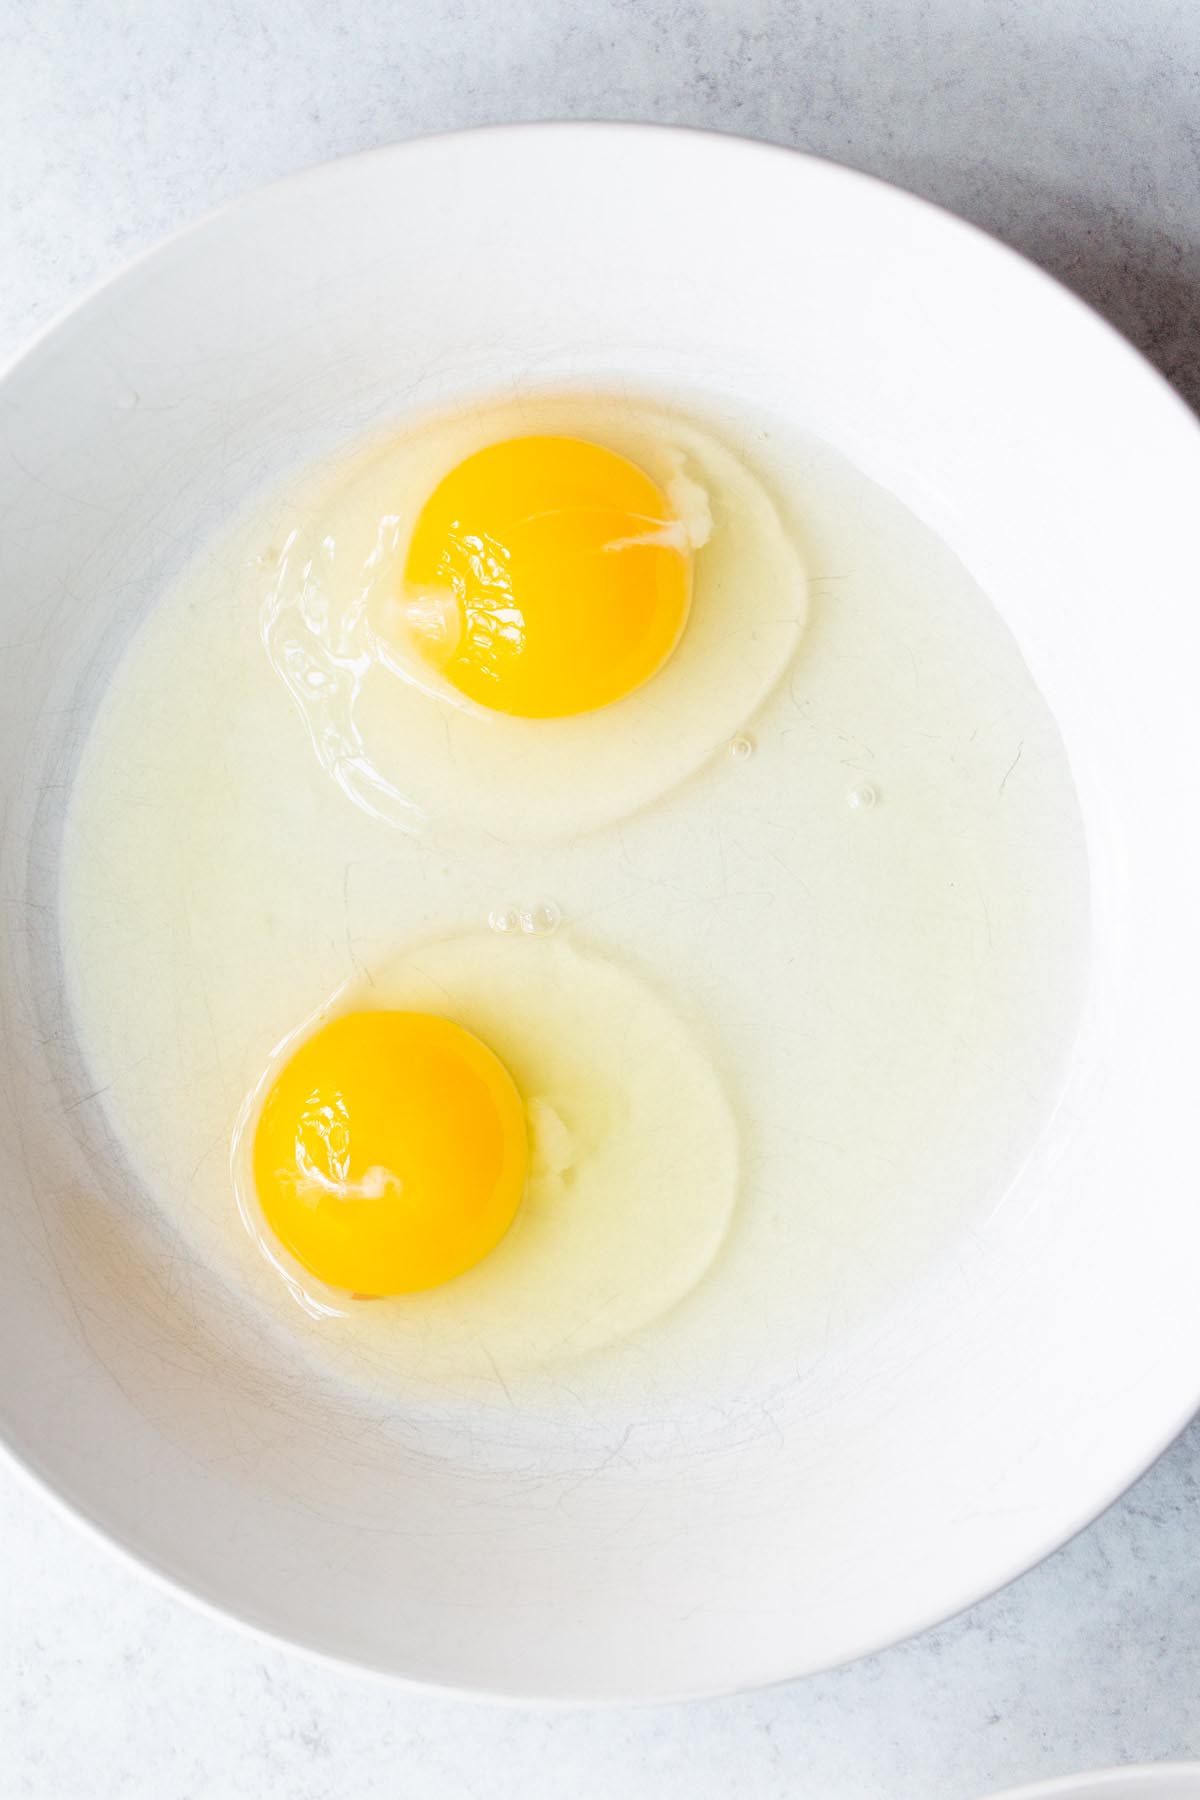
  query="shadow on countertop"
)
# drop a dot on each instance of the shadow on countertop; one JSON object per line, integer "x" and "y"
{"x": 1143, "y": 283}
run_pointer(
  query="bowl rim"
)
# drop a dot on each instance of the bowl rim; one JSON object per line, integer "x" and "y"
{"x": 176, "y": 1584}
{"x": 1099, "y": 1781}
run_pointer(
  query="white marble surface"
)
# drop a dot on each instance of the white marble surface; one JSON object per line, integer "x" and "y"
{"x": 1072, "y": 128}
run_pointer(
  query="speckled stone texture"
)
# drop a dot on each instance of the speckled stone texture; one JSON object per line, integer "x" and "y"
{"x": 1072, "y": 129}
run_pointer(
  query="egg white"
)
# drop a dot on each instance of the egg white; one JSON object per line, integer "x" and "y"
{"x": 883, "y": 996}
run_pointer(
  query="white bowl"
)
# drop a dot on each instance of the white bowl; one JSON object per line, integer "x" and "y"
{"x": 1002, "y": 1407}
{"x": 1152, "y": 1781}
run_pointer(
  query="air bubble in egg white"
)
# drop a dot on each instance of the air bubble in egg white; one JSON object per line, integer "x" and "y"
{"x": 128, "y": 400}
{"x": 502, "y": 919}
{"x": 862, "y": 797}
{"x": 541, "y": 920}
{"x": 740, "y": 747}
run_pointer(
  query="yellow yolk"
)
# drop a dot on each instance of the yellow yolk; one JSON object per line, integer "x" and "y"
{"x": 391, "y": 1153}
{"x": 548, "y": 576}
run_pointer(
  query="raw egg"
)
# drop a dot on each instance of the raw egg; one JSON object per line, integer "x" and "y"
{"x": 525, "y": 621}
{"x": 514, "y": 1112}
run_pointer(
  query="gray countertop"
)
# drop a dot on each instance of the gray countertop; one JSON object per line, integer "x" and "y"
{"x": 1072, "y": 129}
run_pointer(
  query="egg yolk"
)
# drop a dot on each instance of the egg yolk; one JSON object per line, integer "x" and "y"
{"x": 548, "y": 576}
{"x": 391, "y": 1153}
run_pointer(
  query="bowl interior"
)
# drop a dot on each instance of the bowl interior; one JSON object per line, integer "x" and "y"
{"x": 1031, "y": 1377}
